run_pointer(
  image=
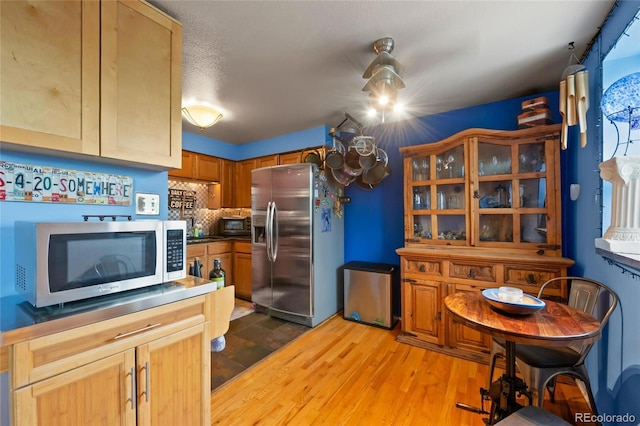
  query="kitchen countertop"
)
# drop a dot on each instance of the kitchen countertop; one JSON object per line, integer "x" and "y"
{"x": 218, "y": 238}
{"x": 20, "y": 321}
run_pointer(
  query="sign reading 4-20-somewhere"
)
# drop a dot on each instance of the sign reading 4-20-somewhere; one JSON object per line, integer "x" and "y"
{"x": 25, "y": 182}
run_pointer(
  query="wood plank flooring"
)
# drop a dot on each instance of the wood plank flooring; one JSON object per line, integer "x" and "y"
{"x": 345, "y": 373}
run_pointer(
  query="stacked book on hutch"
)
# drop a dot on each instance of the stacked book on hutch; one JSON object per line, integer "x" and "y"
{"x": 481, "y": 210}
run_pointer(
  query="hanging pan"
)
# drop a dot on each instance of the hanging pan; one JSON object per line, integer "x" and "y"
{"x": 335, "y": 157}
{"x": 311, "y": 155}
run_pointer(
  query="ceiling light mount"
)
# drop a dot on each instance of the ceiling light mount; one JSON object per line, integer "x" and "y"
{"x": 201, "y": 116}
{"x": 385, "y": 79}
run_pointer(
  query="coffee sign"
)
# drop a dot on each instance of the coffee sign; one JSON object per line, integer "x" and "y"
{"x": 181, "y": 199}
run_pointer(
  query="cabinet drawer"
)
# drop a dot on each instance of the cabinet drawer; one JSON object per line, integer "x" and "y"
{"x": 473, "y": 271}
{"x": 197, "y": 250}
{"x": 243, "y": 247}
{"x": 216, "y": 248}
{"x": 428, "y": 267}
{"x": 47, "y": 356}
{"x": 530, "y": 280}
{"x": 529, "y": 276}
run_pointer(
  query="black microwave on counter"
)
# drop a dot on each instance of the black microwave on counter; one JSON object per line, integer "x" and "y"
{"x": 235, "y": 225}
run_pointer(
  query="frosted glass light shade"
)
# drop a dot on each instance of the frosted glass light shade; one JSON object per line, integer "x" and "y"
{"x": 201, "y": 116}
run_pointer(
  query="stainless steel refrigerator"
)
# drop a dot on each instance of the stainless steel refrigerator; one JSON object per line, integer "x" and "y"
{"x": 297, "y": 244}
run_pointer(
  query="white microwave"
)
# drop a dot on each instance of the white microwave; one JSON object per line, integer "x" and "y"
{"x": 58, "y": 262}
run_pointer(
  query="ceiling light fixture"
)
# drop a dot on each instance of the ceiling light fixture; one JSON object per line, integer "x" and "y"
{"x": 385, "y": 79}
{"x": 201, "y": 116}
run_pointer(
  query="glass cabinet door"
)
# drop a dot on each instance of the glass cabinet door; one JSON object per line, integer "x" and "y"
{"x": 485, "y": 188}
{"x": 439, "y": 197}
{"x": 511, "y": 192}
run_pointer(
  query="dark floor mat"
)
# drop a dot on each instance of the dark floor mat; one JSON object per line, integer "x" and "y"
{"x": 250, "y": 339}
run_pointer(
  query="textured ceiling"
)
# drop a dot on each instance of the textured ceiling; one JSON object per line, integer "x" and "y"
{"x": 277, "y": 67}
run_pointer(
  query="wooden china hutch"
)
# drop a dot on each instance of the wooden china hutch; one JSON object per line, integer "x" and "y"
{"x": 481, "y": 210}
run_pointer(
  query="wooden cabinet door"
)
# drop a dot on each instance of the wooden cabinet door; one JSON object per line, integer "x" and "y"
{"x": 141, "y": 62}
{"x": 50, "y": 75}
{"x": 227, "y": 184}
{"x": 207, "y": 168}
{"x": 224, "y": 252}
{"x": 266, "y": 161}
{"x": 462, "y": 337}
{"x": 226, "y": 261}
{"x": 242, "y": 270}
{"x": 102, "y": 392}
{"x": 421, "y": 310}
{"x": 289, "y": 158}
{"x": 243, "y": 182}
{"x": 213, "y": 196}
{"x": 188, "y": 166}
{"x": 174, "y": 379}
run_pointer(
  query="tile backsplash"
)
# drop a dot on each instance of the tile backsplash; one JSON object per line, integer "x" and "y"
{"x": 209, "y": 218}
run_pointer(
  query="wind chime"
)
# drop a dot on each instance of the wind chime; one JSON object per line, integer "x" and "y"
{"x": 574, "y": 99}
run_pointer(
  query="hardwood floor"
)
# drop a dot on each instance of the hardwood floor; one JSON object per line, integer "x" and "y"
{"x": 345, "y": 373}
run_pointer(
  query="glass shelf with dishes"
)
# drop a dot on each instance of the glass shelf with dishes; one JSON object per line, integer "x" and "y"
{"x": 511, "y": 191}
{"x": 439, "y": 199}
{"x": 484, "y": 188}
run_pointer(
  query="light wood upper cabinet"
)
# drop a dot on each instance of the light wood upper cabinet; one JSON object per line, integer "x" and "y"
{"x": 92, "y": 78}
{"x": 50, "y": 75}
{"x": 141, "y": 84}
{"x": 188, "y": 166}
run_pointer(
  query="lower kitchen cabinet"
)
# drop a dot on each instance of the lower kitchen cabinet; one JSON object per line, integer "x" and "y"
{"x": 430, "y": 275}
{"x": 242, "y": 269}
{"x": 224, "y": 252}
{"x": 89, "y": 387}
{"x": 463, "y": 337}
{"x": 151, "y": 367}
{"x": 421, "y": 310}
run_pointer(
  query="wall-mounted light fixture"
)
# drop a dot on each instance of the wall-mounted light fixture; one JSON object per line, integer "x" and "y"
{"x": 201, "y": 116}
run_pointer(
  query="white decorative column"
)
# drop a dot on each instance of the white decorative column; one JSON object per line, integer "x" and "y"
{"x": 623, "y": 236}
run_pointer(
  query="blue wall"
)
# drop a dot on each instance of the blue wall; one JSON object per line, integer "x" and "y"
{"x": 374, "y": 221}
{"x": 614, "y": 362}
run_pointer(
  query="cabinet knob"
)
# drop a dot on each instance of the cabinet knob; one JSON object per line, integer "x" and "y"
{"x": 476, "y": 194}
{"x": 472, "y": 273}
{"x": 531, "y": 279}
{"x": 422, "y": 268}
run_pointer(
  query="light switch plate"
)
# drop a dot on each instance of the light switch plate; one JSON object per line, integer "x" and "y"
{"x": 147, "y": 204}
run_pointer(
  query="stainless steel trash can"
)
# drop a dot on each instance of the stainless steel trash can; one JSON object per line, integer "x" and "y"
{"x": 370, "y": 292}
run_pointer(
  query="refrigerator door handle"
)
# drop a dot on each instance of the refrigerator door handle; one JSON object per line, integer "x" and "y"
{"x": 268, "y": 232}
{"x": 274, "y": 231}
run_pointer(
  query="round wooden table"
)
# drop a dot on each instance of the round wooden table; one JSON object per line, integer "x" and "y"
{"x": 556, "y": 324}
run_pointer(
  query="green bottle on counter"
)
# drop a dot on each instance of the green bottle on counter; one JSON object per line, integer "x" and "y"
{"x": 217, "y": 273}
